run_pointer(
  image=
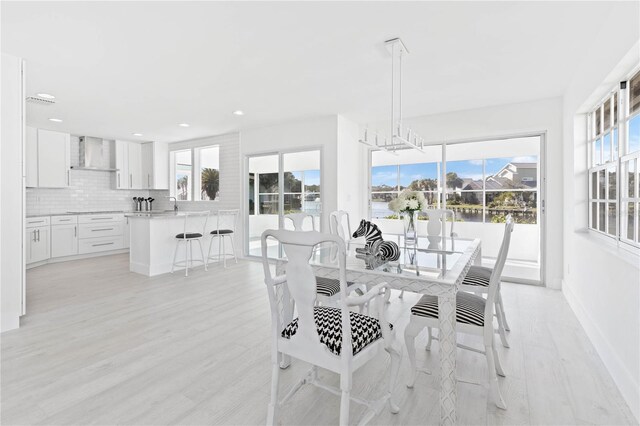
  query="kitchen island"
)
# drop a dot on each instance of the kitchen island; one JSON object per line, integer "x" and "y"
{"x": 153, "y": 241}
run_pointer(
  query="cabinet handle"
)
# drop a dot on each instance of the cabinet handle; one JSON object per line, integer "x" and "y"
{"x": 64, "y": 220}
{"x": 102, "y": 229}
{"x": 34, "y": 235}
{"x": 68, "y": 178}
{"x": 75, "y": 231}
{"x": 35, "y": 221}
{"x": 102, "y": 218}
{"x": 103, "y": 244}
{"x": 118, "y": 180}
{"x": 130, "y": 181}
{"x": 148, "y": 181}
{"x": 38, "y": 234}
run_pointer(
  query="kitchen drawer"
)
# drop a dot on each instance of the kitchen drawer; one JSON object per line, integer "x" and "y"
{"x": 32, "y": 222}
{"x": 64, "y": 220}
{"x": 93, "y": 230}
{"x": 95, "y": 245}
{"x": 97, "y": 218}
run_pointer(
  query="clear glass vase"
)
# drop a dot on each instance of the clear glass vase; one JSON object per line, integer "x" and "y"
{"x": 410, "y": 221}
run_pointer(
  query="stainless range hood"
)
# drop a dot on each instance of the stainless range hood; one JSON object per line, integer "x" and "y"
{"x": 92, "y": 155}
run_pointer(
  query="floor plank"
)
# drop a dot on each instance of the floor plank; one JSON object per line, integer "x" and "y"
{"x": 101, "y": 345}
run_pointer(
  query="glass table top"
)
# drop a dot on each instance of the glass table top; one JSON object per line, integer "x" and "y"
{"x": 433, "y": 257}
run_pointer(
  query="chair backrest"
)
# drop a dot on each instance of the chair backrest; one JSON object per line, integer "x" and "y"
{"x": 437, "y": 224}
{"x": 195, "y": 222}
{"x": 300, "y": 283}
{"x": 338, "y": 221}
{"x": 496, "y": 274}
{"x": 298, "y": 220}
{"x": 227, "y": 219}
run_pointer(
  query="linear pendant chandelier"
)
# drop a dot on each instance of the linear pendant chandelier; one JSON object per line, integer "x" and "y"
{"x": 401, "y": 137}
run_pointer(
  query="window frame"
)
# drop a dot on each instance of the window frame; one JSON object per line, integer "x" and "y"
{"x": 619, "y": 159}
{"x": 196, "y": 173}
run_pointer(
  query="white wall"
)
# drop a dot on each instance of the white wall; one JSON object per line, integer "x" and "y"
{"x": 352, "y": 182}
{"x": 11, "y": 200}
{"x": 601, "y": 281}
{"x": 542, "y": 116}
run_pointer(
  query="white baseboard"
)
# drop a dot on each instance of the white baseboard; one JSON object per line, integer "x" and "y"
{"x": 75, "y": 257}
{"x": 629, "y": 388}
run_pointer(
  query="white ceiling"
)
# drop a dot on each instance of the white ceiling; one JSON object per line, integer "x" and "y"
{"x": 117, "y": 68}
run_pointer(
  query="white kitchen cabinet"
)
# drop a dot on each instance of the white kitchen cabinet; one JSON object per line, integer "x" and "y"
{"x": 54, "y": 152}
{"x": 37, "y": 244}
{"x": 64, "y": 240}
{"x": 135, "y": 166}
{"x": 155, "y": 165}
{"x": 47, "y": 158}
{"x": 122, "y": 164}
{"x": 31, "y": 157}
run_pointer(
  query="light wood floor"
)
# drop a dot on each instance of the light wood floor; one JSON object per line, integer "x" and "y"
{"x": 101, "y": 345}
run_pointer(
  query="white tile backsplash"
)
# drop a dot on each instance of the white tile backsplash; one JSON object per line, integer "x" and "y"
{"x": 89, "y": 191}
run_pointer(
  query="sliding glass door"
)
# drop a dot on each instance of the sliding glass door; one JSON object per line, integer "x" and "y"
{"x": 279, "y": 184}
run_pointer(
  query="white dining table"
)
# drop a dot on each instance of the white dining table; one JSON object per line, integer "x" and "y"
{"x": 436, "y": 266}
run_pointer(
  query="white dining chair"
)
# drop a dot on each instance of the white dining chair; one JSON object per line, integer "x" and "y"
{"x": 226, "y": 223}
{"x": 477, "y": 281}
{"x": 339, "y": 224}
{"x": 195, "y": 224}
{"x": 298, "y": 220}
{"x": 436, "y": 229}
{"x": 335, "y": 339}
{"x": 474, "y": 315}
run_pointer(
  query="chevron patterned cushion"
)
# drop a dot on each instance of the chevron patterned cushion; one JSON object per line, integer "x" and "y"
{"x": 469, "y": 308}
{"x": 478, "y": 275}
{"x": 364, "y": 329}
{"x": 328, "y": 286}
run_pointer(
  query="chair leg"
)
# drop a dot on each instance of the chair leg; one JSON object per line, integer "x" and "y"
{"x": 345, "y": 386}
{"x": 410, "y": 332}
{"x": 233, "y": 248}
{"x": 272, "y": 411}
{"x": 204, "y": 262}
{"x": 504, "y": 316}
{"x": 219, "y": 248}
{"x": 187, "y": 254}
{"x": 401, "y": 294}
{"x": 393, "y": 375}
{"x": 493, "y": 378}
{"x": 224, "y": 253}
{"x": 498, "y": 362}
{"x": 501, "y": 329}
{"x": 175, "y": 255}
{"x": 209, "y": 251}
{"x": 430, "y": 339}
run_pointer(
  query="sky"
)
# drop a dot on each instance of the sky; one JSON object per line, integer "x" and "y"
{"x": 468, "y": 169}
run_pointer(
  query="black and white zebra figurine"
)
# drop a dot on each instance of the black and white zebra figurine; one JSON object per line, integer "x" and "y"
{"x": 375, "y": 245}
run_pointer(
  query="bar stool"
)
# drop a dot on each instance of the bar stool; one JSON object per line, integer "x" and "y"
{"x": 192, "y": 220}
{"x": 225, "y": 227}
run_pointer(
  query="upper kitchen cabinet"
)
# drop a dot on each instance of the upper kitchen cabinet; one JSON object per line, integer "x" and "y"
{"x": 141, "y": 166}
{"x": 155, "y": 165}
{"x": 47, "y": 158}
{"x": 128, "y": 161}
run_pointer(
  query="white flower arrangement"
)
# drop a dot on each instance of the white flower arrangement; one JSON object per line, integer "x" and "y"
{"x": 408, "y": 201}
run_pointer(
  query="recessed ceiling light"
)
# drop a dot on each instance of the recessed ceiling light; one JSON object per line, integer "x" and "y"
{"x": 183, "y": 125}
{"x": 137, "y": 134}
{"x": 46, "y": 96}
{"x": 55, "y": 120}
{"x": 238, "y": 112}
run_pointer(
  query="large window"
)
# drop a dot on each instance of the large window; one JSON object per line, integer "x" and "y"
{"x": 478, "y": 187}
{"x": 614, "y": 141}
{"x": 196, "y": 173}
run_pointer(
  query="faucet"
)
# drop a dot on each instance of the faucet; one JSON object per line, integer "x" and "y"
{"x": 175, "y": 203}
